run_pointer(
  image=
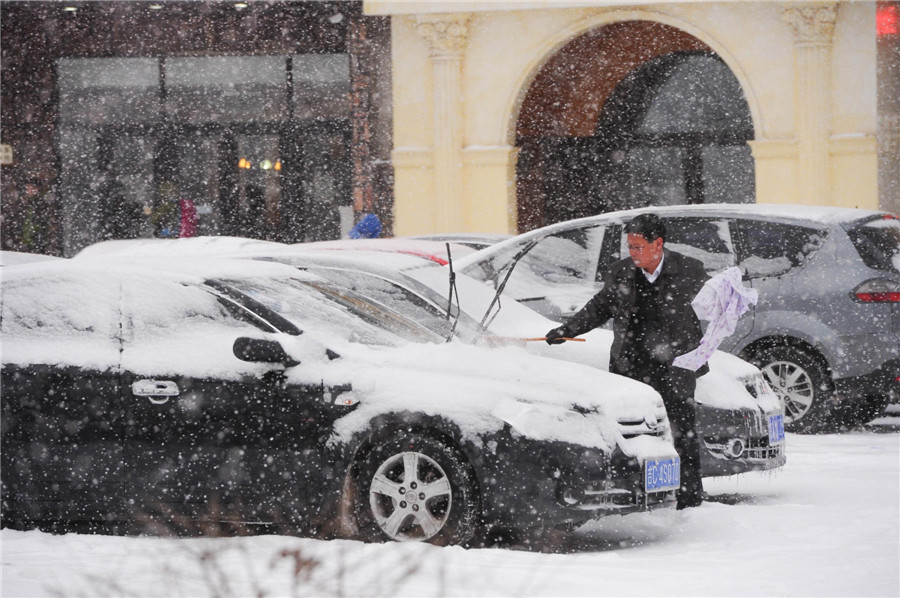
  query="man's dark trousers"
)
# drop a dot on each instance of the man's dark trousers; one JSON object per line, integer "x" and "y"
{"x": 677, "y": 390}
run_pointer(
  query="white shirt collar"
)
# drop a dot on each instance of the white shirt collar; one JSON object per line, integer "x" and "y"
{"x": 652, "y": 277}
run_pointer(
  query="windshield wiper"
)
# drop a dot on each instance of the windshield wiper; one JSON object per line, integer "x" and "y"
{"x": 483, "y": 326}
{"x": 453, "y": 293}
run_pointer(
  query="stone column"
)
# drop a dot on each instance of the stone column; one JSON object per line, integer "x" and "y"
{"x": 360, "y": 84}
{"x": 446, "y": 35}
{"x": 813, "y": 26}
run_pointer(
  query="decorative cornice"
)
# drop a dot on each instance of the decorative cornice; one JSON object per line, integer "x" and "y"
{"x": 812, "y": 23}
{"x": 446, "y": 34}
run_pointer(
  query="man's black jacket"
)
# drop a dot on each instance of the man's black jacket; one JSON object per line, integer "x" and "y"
{"x": 679, "y": 282}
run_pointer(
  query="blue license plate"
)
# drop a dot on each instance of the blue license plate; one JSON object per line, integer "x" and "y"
{"x": 661, "y": 475}
{"x": 776, "y": 429}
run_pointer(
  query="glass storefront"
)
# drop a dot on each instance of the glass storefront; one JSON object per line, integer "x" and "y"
{"x": 251, "y": 146}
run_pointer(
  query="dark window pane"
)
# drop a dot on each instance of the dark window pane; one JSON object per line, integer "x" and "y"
{"x": 878, "y": 243}
{"x": 226, "y": 88}
{"x": 321, "y": 85}
{"x": 772, "y": 248}
{"x": 728, "y": 174}
{"x": 108, "y": 90}
{"x": 657, "y": 176}
{"x": 699, "y": 94}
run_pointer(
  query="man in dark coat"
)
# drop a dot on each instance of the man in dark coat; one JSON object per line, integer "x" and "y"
{"x": 649, "y": 296}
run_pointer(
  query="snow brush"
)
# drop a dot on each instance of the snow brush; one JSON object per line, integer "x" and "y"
{"x": 501, "y": 339}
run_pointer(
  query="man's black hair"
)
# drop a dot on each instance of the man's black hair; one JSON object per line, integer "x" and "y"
{"x": 649, "y": 226}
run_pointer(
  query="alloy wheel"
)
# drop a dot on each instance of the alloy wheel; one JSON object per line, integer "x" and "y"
{"x": 410, "y": 496}
{"x": 793, "y": 385}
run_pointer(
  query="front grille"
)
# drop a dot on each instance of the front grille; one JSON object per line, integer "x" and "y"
{"x": 656, "y": 425}
{"x": 613, "y": 499}
{"x": 755, "y": 449}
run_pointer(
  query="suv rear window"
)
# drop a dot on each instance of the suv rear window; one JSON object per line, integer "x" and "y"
{"x": 878, "y": 243}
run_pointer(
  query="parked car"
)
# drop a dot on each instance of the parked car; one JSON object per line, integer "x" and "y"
{"x": 740, "y": 419}
{"x": 162, "y": 392}
{"x": 826, "y": 330}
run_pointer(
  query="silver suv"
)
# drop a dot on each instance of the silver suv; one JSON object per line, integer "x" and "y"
{"x": 826, "y": 330}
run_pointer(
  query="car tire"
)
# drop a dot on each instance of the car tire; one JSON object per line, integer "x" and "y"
{"x": 414, "y": 488}
{"x": 801, "y": 380}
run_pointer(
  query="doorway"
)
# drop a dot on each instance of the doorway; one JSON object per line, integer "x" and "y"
{"x": 630, "y": 115}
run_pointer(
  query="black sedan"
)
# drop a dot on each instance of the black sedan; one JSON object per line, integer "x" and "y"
{"x": 171, "y": 396}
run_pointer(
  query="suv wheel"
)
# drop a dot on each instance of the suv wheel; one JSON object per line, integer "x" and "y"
{"x": 415, "y": 488}
{"x": 800, "y": 380}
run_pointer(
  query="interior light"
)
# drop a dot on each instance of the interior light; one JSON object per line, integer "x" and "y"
{"x": 155, "y": 7}
{"x": 70, "y": 9}
{"x": 241, "y": 5}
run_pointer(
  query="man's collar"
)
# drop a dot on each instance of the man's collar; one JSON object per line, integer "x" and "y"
{"x": 655, "y": 274}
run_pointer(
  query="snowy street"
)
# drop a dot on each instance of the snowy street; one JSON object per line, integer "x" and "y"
{"x": 828, "y": 524}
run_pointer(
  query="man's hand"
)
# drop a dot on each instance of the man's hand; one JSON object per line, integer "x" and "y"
{"x": 557, "y": 336}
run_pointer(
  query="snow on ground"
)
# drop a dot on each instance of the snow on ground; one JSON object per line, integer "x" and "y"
{"x": 828, "y": 524}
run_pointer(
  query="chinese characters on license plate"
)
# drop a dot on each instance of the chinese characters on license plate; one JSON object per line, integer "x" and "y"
{"x": 662, "y": 475}
{"x": 776, "y": 429}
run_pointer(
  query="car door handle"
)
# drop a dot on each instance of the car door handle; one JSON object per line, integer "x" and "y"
{"x": 158, "y": 391}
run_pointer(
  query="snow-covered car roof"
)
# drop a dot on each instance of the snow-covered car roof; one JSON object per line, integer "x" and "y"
{"x": 205, "y": 246}
{"x": 214, "y": 246}
{"x": 473, "y": 240}
{"x": 434, "y": 251}
{"x": 14, "y": 258}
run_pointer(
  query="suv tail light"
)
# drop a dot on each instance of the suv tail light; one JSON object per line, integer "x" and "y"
{"x": 878, "y": 290}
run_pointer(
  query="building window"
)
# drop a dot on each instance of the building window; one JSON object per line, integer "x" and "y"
{"x": 256, "y": 145}
{"x": 676, "y": 131}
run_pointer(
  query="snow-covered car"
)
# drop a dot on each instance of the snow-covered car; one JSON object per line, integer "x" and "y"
{"x": 825, "y": 329}
{"x": 162, "y": 392}
{"x": 14, "y": 258}
{"x": 224, "y": 246}
{"x": 739, "y": 418}
{"x": 473, "y": 240}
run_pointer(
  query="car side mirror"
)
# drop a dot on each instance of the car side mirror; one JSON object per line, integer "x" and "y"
{"x": 260, "y": 350}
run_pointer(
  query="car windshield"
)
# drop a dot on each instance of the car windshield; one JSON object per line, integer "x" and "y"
{"x": 334, "y": 310}
{"x": 393, "y": 297}
{"x": 878, "y": 243}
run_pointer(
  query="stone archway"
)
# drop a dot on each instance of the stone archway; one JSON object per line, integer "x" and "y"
{"x": 584, "y": 109}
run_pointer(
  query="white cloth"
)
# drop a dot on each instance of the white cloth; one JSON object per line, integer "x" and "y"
{"x": 721, "y": 301}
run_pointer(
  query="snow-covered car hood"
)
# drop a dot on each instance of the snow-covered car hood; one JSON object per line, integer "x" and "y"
{"x": 725, "y": 386}
{"x": 481, "y": 388}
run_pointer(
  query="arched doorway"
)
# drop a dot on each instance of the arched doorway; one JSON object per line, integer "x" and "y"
{"x": 629, "y": 115}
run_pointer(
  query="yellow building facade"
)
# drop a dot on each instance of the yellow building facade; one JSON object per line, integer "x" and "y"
{"x": 471, "y": 80}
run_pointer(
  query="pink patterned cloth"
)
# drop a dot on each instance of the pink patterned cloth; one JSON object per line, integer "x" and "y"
{"x": 188, "y": 218}
{"x": 721, "y": 301}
